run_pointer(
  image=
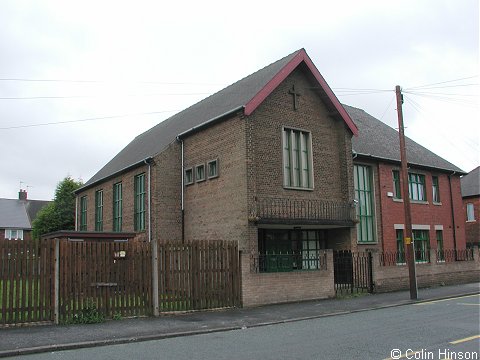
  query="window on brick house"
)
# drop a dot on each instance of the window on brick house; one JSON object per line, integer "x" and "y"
{"x": 435, "y": 190}
{"x": 14, "y": 234}
{"x": 362, "y": 178}
{"x": 400, "y": 247}
{"x": 288, "y": 250}
{"x": 200, "y": 173}
{"x": 470, "y": 212}
{"x": 99, "y": 210}
{"x": 397, "y": 192}
{"x": 188, "y": 176}
{"x": 440, "y": 252}
{"x": 421, "y": 244}
{"x": 83, "y": 213}
{"x": 117, "y": 207}
{"x": 297, "y": 159}
{"x": 212, "y": 169}
{"x": 139, "y": 206}
{"x": 416, "y": 186}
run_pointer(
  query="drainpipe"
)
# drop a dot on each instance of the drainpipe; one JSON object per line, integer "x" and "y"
{"x": 453, "y": 213}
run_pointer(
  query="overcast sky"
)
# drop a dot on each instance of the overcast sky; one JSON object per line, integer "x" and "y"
{"x": 123, "y": 66}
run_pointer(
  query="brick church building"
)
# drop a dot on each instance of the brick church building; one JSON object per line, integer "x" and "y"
{"x": 267, "y": 162}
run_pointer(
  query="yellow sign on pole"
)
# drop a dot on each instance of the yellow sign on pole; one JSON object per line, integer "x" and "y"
{"x": 408, "y": 241}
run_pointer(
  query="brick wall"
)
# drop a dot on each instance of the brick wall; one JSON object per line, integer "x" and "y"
{"x": 472, "y": 228}
{"x": 390, "y": 211}
{"x": 394, "y": 278}
{"x": 271, "y": 288}
{"x": 216, "y": 209}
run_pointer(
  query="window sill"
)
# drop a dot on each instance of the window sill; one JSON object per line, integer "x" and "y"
{"x": 471, "y": 221}
{"x": 212, "y": 177}
{"x": 419, "y": 202}
{"x": 437, "y": 203}
{"x": 397, "y": 200}
{"x": 297, "y": 188}
{"x": 367, "y": 242}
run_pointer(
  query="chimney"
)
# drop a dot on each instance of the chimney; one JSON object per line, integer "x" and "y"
{"x": 22, "y": 195}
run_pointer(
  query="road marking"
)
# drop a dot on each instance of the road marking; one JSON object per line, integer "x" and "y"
{"x": 455, "y": 298}
{"x": 468, "y": 304}
{"x": 465, "y": 340}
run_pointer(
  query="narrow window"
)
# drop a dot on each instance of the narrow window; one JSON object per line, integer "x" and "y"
{"x": 188, "y": 176}
{"x": 400, "y": 247}
{"x": 83, "y": 213}
{"x": 297, "y": 159}
{"x": 397, "y": 192}
{"x": 365, "y": 206}
{"x": 212, "y": 169}
{"x": 435, "y": 190}
{"x": 117, "y": 207}
{"x": 200, "y": 173}
{"x": 470, "y": 212}
{"x": 99, "y": 210}
{"x": 139, "y": 207}
{"x": 440, "y": 252}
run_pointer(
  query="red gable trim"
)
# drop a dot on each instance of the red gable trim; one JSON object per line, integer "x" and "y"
{"x": 287, "y": 70}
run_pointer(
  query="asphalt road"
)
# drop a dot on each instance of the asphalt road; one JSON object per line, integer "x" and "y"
{"x": 444, "y": 329}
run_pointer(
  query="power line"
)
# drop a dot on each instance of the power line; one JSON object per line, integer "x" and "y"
{"x": 83, "y": 120}
{"x": 442, "y": 82}
{"x": 104, "y": 81}
{"x": 96, "y": 96}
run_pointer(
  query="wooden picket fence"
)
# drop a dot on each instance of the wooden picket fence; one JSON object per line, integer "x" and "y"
{"x": 57, "y": 280}
{"x": 26, "y": 281}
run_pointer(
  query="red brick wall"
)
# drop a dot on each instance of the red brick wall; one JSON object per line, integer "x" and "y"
{"x": 390, "y": 211}
{"x": 472, "y": 228}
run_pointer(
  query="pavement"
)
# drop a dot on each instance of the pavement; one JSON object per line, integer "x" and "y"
{"x": 48, "y": 338}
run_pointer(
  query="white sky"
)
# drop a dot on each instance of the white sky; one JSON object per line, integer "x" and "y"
{"x": 143, "y": 61}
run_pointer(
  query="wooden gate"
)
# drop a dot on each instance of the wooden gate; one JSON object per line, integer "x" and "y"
{"x": 115, "y": 276}
{"x": 352, "y": 271}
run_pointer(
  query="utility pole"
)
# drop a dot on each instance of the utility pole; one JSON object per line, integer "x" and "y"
{"x": 409, "y": 250}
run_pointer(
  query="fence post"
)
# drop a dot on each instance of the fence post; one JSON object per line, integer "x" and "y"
{"x": 156, "y": 311}
{"x": 56, "y": 292}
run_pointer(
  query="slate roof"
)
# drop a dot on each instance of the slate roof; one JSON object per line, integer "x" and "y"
{"x": 375, "y": 139}
{"x": 222, "y": 103}
{"x": 471, "y": 183}
{"x": 378, "y": 140}
{"x": 19, "y": 214}
{"x": 245, "y": 94}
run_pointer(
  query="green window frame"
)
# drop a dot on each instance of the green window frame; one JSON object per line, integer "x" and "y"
{"x": 397, "y": 190}
{"x": 363, "y": 184}
{"x": 435, "y": 190}
{"x": 99, "y": 210}
{"x": 83, "y": 213}
{"x": 117, "y": 207}
{"x": 297, "y": 159}
{"x": 139, "y": 204}
{"x": 400, "y": 247}
{"x": 421, "y": 243}
{"x": 440, "y": 248}
{"x": 416, "y": 187}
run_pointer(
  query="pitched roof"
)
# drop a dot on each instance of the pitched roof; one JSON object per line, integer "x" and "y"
{"x": 471, "y": 183}
{"x": 378, "y": 140}
{"x": 19, "y": 214}
{"x": 246, "y": 95}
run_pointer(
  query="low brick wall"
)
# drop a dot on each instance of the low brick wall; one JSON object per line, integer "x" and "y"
{"x": 395, "y": 277}
{"x": 281, "y": 287}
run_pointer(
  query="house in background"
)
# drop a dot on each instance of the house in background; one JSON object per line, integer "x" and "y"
{"x": 471, "y": 202}
{"x": 267, "y": 162}
{"x": 17, "y": 215}
{"x": 434, "y": 190}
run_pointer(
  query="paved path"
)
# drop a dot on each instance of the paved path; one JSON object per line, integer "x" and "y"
{"x": 24, "y": 340}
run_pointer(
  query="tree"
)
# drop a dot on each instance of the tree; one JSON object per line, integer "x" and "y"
{"x": 60, "y": 214}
